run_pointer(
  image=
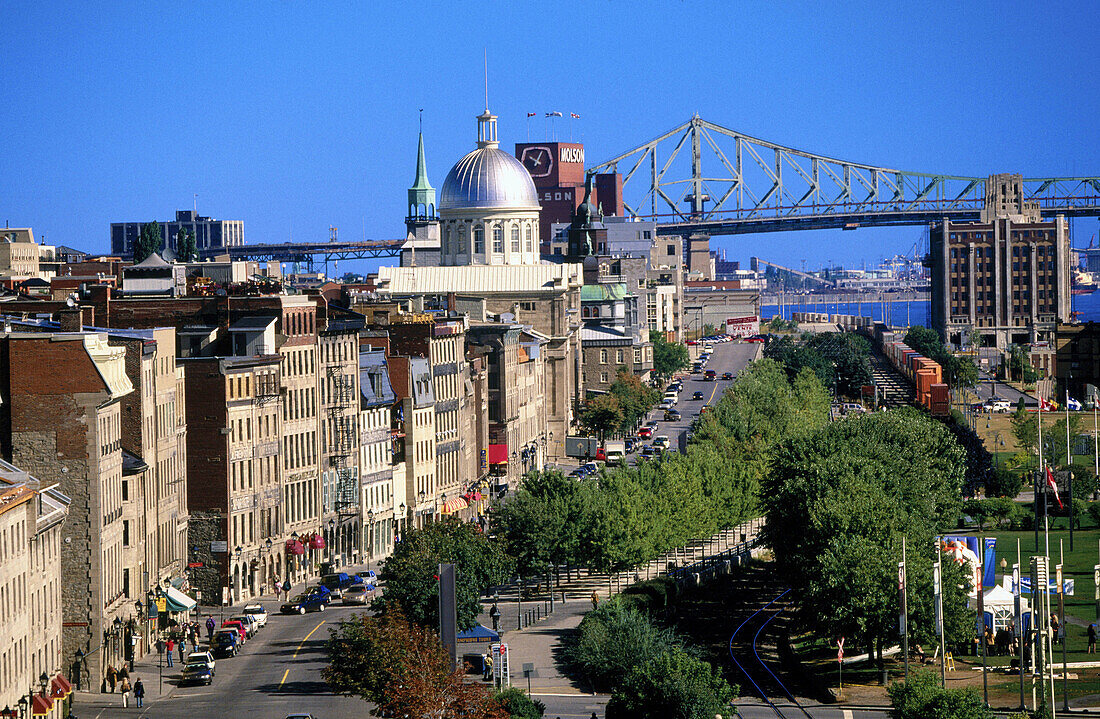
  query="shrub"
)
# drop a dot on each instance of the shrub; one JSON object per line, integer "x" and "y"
{"x": 650, "y": 596}
{"x": 520, "y": 706}
{"x": 614, "y": 639}
{"x": 673, "y": 684}
{"x": 1004, "y": 483}
{"x": 922, "y": 698}
{"x": 1094, "y": 512}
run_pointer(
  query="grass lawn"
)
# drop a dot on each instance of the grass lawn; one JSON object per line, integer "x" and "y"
{"x": 1077, "y": 565}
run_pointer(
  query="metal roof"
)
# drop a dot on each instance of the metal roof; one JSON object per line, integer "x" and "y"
{"x": 478, "y": 279}
{"x": 488, "y": 177}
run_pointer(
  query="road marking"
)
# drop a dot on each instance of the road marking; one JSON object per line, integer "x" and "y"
{"x": 300, "y": 645}
{"x": 847, "y": 714}
{"x": 713, "y": 391}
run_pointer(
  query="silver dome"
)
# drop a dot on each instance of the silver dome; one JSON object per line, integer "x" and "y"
{"x": 488, "y": 178}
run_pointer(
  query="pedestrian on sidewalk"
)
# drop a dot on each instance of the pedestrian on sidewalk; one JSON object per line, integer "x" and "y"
{"x": 286, "y": 588}
{"x": 123, "y": 672}
{"x": 170, "y": 646}
{"x": 488, "y": 665}
{"x": 595, "y": 600}
{"x": 124, "y": 688}
{"x": 210, "y": 624}
{"x": 278, "y": 588}
{"x": 182, "y": 648}
{"x": 1092, "y": 638}
{"x": 139, "y": 693}
{"x": 112, "y": 678}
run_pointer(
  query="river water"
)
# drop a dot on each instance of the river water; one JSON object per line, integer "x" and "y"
{"x": 905, "y": 313}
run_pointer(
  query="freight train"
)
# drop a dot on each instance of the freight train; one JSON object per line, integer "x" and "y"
{"x": 924, "y": 374}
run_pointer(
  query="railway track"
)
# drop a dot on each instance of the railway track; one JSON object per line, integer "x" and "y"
{"x": 751, "y": 662}
{"x": 894, "y": 390}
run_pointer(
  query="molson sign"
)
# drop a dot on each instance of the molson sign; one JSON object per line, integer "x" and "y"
{"x": 571, "y": 154}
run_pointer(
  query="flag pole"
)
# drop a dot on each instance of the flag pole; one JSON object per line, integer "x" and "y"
{"x": 1069, "y": 473}
{"x": 981, "y": 616}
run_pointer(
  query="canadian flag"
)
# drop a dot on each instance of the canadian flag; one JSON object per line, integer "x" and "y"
{"x": 531, "y": 114}
{"x": 1045, "y": 406}
{"x": 574, "y": 115}
{"x": 1051, "y": 483}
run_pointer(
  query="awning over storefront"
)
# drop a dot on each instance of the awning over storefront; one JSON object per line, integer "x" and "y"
{"x": 293, "y": 547}
{"x": 178, "y": 601}
{"x": 474, "y": 496}
{"x": 498, "y": 454}
{"x": 41, "y": 706}
{"x": 317, "y": 542}
{"x": 476, "y": 635}
{"x": 453, "y": 505}
{"x": 60, "y": 687}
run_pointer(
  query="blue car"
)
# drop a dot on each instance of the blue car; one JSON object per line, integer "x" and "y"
{"x": 311, "y": 602}
{"x": 225, "y": 644}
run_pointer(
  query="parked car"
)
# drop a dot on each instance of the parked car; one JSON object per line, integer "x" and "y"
{"x": 251, "y": 624}
{"x": 240, "y": 626}
{"x": 305, "y": 603}
{"x": 630, "y": 444}
{"x": 645, "y": 432}
{"x": 672, "y": 415}
{"x": 205, "y": 658}
{"x": 337, "y": 582}
{"x": 998, "y": 405}
{"x": 591, "y": 467}
{"x": 853, "y": 408}
{"x": 358, "y": 594}
{"x": 225, "y": 643}
{"x": 196, "y": 674}
{"x": 727, "y": 375}
{"x": 648, "y": 451}
{"x": 662, "y": 442}
{"x": 755, "y": 338}
{"x": 257, "y": 611}
{"x": 697, "y": 395}
{"x": 579, "y": 473}
{"x": 321, "y": 591}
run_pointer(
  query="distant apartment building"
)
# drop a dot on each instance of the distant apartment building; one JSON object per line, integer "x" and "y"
{"x": 414, "y": 425}
{"x": 19, "y": 253}
{"x": 338, "y": 379}
{"x": 235, "y": 474}
{"x": 517, "y": 429}
{"x": 32, "y": 518}
{"x": 209, "y": 233}
{"x": 382, "y": 494}
{"x": 65, "y": 427}
{"x": 1006, "y": 277}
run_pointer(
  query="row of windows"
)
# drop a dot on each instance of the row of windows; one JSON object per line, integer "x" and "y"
{"x": 456, "y": 240}
{"x": 299, "y": 323}
{"x": 299, "y": 450}
{"x": 298, "y": 362}
{"x": 300, "y": 501}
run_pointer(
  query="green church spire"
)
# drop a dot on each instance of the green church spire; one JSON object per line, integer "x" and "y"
{"x": 421, "y": 194}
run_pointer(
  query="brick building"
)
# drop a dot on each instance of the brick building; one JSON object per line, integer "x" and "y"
{"x": 65, "y": 428}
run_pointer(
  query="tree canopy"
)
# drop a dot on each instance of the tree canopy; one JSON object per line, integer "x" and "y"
{"x": 668, "y": 357}
{"x": 673, "y": 684}
{"x": 957, "y": 371}
{"x": 403, "y": 669}
{"x": 602, "y": 415}
{"x": 186, "y": 250}
{"x": 411, "y": 571}
{"x": 148, "y": 242}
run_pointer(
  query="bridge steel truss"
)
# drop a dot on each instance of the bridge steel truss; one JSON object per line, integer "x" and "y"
{"x": 761, "y": 186}
{"x": 307, "y": 253}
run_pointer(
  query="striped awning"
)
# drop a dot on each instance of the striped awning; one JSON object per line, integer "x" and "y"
{"x": 453, "y": 505}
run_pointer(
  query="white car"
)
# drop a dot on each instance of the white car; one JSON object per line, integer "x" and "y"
{"x": 357, "y": 594}
{"x": 205, "y": 658}
{"x": 251, "y": 624}
{"x": 999, "y": 406}
{"x": 257, "y": 611}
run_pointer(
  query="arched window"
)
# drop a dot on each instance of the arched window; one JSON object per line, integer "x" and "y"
{"x": 515, "y": 238}
{"x": 528, "y": 245}
{"x": 479, "y": 240}
{"x": 431, "y": 210}
{"x": 498, "y": 239}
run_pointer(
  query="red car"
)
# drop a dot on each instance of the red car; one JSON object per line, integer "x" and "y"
{"x": 645, "y": 432}
{"x": 755, "y": 338}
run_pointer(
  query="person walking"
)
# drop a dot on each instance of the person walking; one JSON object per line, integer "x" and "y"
{"x": 124, "y": 688}
{"x": 278, "y": 588}
{"x": 1092, "y": 639}
{"x": 286, "y": 588}
{"x": 210, "y": 624}
{"x": 595, "y": 600}
{"x": 139, "y": 693}
{"x": 112, "y": 678}
{"x": 182, "y": 648}
{"x": 170, "y": 646}
{"x": 123, "y": 672}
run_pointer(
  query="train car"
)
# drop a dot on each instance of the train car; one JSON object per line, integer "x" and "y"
{"x": 923, "y": 373}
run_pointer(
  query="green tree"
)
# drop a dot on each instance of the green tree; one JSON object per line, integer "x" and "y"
{"x": 403, "y": 669}
{"x": 635, "y": 397}
{"x": 1025, "y": 428}
{"x": 612, "y": 640}
{"x": 602, "y": 415}
{"x": 841, "y": 499}
{"x": 541, "y": 524}
{"x": 1004, "y": 483}
{"x": 668, "y": 357}
{"x": 148, "y": 242}
{"x": 675, "y": 685}
{"x": 186, "y": 250}
{"x": 410, "y": 572}
{"x": 922, "y": 698}
{"x": 520, "y": 706}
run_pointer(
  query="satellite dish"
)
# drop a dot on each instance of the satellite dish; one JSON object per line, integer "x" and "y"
{"x": 70, "y": 301}
{"x": 507, "y": 317}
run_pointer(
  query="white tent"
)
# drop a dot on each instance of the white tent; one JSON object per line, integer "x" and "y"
{"x": 1000, "y": 604}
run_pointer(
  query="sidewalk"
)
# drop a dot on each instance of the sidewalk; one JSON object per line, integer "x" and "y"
{"x": 541, "y": 643}
{"x": 151, "y": 674}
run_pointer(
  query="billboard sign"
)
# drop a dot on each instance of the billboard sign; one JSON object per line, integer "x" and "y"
{"x": 743, "y": 326}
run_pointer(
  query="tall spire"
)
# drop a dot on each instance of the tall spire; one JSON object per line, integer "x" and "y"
{"x": 421, "y": 203}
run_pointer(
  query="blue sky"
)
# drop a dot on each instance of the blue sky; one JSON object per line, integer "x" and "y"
{"x": 297, "y": 116}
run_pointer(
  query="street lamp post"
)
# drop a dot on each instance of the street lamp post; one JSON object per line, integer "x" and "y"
{"x": 237, "y": 552}
{"x": 402, "y": 519}
{"x": 370, "y": 537}
{"x": 422, "y": 496}
{"x": 332, "y": 545}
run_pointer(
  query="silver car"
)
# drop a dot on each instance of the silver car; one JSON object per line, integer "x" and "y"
{"x": 357, "y": 594}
